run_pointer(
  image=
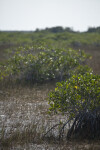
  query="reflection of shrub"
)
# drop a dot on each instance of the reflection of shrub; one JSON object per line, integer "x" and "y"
{"x": 43, "y": 64}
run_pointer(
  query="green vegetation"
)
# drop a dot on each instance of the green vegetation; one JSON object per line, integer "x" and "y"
{"x": 78, "y": 93}
{"x": 79, "y": 98}
{"x": 56, "y": 54}
{"x": 66, "y": 37}
{"x": 42, "y": 64}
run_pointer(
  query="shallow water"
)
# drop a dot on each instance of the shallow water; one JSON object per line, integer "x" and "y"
{"x": 21, "y": 107}
{"x": 25, "y": 107}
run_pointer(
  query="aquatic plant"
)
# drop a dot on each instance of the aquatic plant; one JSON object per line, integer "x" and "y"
{"x": 79, "y": 98}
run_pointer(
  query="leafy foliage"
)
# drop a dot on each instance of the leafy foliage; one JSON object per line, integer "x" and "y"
{"x": 40, "y": 63}
{"x": 78, "y": 93}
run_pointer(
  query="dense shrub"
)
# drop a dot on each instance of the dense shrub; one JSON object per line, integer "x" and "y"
{"x": 79, "y": 98}
{"x": 36, "y": 64}
{"x": 78, "y": 93}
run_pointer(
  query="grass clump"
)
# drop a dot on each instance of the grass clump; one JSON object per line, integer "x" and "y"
{"x": 28, "y": 134}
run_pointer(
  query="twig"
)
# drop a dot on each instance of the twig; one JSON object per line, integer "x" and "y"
{"x": 62, "y": 129}
{"x": 51, "y": 129}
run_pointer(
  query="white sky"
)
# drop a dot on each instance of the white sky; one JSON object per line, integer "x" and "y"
{"x": 32, "y": 14}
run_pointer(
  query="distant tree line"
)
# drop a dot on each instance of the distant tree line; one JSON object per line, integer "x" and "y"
{"x": 59, "y": 29}
{"x": 94, "y": 29}
{"x": 56, "y": 29}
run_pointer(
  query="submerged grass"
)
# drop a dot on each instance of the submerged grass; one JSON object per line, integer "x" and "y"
{"x": 24, "y": 114}
{"x": 29, "y": 134}
{"x": 24, "y": 120}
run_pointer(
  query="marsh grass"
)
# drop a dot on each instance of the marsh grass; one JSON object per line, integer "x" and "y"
{"x": 24, "y": 117}
{"x": 28, "y": 135}
{"x": 24, "y": 114}
{"x": 24, "y": 120}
